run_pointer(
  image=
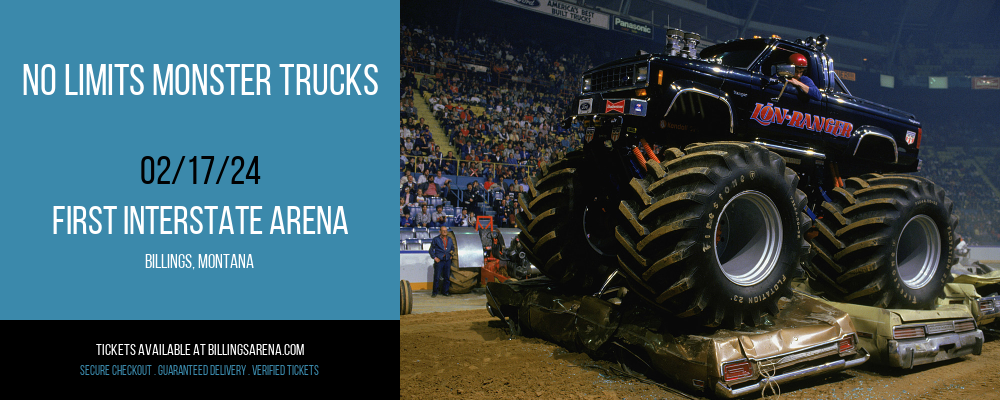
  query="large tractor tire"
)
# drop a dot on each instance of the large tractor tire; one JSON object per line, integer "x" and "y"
{"x": 885, "y": 241}
{"x": 553, "y": 232}
{"x": 715, "y": 233}
{"x": 462, "y": 279}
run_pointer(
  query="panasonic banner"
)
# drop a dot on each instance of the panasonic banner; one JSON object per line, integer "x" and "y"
{"x": 631, "y": 27}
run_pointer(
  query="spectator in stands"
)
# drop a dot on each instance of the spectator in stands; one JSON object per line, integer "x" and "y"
{"x": 462, "y": 219}
{"x": 420, "y": 168}
{"x": 423, "y": 217}
{"x": 420, "y": 199}
{"x": 449, "y": 195}
{"x": 430, "y": 189}
{"x": 502, "y": 205}
{"x": 439, "y": 179}
{"x": 495, "y": 192}
{"x": 478, "y": 189}
{"x": 420, "y": 146}
{"x": 404, "y": 214}
{"x": 406, "y": 179}
{"x": 470, "y": 197}
{"x": 439, "y": 218}
{"x": 411, "y": 198}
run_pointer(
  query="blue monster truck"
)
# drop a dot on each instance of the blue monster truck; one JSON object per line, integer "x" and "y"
{"x": 708, "y": 182}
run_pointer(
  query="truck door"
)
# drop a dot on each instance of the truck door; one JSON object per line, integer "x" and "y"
{"x": 788, "y": 117}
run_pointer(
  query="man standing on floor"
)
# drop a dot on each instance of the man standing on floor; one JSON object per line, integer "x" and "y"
{"x": 441, "y": 248}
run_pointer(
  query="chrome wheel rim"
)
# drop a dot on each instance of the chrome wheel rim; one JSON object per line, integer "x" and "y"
{"x": 748, "y": 236}
{"x": 918, "y": 251}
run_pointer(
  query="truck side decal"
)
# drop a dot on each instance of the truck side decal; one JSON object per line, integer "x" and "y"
{"x": 768, "y": 114}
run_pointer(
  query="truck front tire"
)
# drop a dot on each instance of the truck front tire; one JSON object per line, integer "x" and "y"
{"x": 716, "y": 233}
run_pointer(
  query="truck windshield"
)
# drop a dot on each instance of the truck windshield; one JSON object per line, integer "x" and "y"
{"x": 737, "y": 55}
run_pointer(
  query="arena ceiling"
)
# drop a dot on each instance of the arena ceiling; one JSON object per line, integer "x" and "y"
{"x": 882, "y": 24}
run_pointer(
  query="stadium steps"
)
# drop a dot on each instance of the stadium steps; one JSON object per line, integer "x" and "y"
{"x": 424, "y": 111}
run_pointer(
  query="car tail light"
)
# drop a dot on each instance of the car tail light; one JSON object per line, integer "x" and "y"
{"x": 920, "y": 134}
{"x": 985, "y": 306}
{"x": 965, "y": 325}
{"x": 846, "y": 344}
{"x": 737, "y": 370}
{"x": 908, "y": 332}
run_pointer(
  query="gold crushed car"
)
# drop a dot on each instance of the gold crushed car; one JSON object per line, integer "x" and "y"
{"x": 907, "y": 338}
{"x": 807, "y": 338}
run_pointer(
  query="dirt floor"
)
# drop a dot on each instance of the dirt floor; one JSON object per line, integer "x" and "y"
{"x": 467, "y": 355}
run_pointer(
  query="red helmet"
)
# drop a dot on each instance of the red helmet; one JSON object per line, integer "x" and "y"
{"x": 798, "y": 60}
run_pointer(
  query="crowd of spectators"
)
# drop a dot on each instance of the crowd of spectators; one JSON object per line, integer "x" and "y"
{"x": 497, "y": 102}
{"x": 960, "y": 157}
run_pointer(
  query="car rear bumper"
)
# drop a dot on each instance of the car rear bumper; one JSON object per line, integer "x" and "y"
{"x": 912, "y": 352}
{"x": 729, "y": 392}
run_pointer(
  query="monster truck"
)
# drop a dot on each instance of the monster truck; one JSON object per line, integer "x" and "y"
{"x": 703, "y": 179}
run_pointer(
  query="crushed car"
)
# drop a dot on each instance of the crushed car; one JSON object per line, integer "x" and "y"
{"x": 979, "y": 293}
{"x": 907, "y": 338}
{"x": 806, "y": 337}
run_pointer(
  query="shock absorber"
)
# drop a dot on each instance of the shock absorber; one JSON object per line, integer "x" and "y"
{"x": 639, "y": 157}
{"x": 649, "y": 151}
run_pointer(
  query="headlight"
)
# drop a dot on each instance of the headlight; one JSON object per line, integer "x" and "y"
{"x": 642, "y": 74}
{"x": 586, "y": 84}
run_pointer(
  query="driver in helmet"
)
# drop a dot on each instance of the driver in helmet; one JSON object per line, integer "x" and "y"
{"x": 807, "y": 88}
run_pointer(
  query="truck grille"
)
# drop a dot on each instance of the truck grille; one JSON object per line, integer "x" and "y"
{"x": 613, "y": 78}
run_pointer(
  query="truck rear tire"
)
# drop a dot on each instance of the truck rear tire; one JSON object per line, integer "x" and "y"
{"x": 885, "y": 241}
{"x": 551, "y": 220}
{"x": 716, "y": 234}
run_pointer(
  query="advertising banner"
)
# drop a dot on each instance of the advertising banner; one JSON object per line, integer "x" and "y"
{"x": 985, "y": 82}
{"x": 846, "y": 75}
{"x": 567, "y": 11}
{"x": 632, "y": 27}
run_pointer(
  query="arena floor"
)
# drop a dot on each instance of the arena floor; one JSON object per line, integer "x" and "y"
{"x": 451, "y": 348}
